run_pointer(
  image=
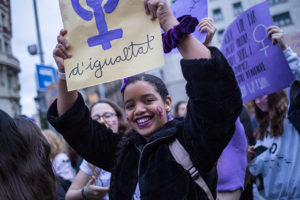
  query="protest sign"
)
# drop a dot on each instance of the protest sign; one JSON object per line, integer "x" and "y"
{"x": 109, "y": 40}
{"x": 260, "y": 67}
{"x": 195, "y": 8}
{"x": 293, "y": 40}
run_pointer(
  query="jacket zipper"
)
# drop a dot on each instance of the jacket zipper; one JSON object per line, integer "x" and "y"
{"x": 141, "y": 153}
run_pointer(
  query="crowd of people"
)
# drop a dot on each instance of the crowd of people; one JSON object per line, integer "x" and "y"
{"x": 135, "y": 153}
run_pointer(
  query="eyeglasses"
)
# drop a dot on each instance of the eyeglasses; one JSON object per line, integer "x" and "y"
{"x": 107, "y": 116}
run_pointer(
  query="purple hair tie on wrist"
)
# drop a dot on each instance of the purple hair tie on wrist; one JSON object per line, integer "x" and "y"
{"x": 173, "y": 37}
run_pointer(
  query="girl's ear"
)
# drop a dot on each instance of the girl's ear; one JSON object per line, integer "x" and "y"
{"x": 168, "y": 104}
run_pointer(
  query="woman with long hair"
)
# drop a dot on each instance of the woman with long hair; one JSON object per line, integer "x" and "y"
{"x": 25, "y": 166}
{"x": 61, "y": 163}
{"x": 279, "y": 136}
{"x": 92, "y": 182}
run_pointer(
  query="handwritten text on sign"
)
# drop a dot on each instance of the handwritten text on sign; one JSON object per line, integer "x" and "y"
{"x": 107, "y": 41}
{"x": 260, "y": 67}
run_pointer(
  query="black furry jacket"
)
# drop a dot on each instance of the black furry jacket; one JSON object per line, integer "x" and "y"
{"x": 214, "y": 105}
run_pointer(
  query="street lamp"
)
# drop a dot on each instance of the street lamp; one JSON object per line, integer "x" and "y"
{"x": 40, "y": 99}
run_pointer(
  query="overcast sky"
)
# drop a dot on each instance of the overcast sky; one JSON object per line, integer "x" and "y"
{"x": 24, "y": 34}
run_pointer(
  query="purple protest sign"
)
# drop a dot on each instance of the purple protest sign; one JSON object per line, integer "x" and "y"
{"x": 195, "y": 8}
{"x": 260, "y": 67}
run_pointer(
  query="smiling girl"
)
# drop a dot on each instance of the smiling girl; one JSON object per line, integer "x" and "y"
{"x": 144, "y": 167}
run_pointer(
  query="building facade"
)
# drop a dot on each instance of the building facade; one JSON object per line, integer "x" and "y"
{"x": 9, "y": 65}
{"x": 284, "y": 13}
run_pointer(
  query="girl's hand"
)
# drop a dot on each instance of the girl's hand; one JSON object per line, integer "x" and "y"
{"x": 60, "y": 52}
{"x": 276, "y": 34}
{"x": 250, "y": 152}
{"x": 92, "y": 191}
{"x": 207, "y": 24}
{"x": 161, "y": 10}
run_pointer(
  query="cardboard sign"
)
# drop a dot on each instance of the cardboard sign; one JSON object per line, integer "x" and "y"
{"x": 260, "y": 67}
{"x": 195, "y": 8}
{"x": 109, "y": 40}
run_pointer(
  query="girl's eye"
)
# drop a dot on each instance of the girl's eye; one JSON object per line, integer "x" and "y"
{"x": 129, "y": 106}
{"x": 149, "y": 100}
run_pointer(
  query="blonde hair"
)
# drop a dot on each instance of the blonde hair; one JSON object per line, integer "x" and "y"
{"x": 56, "y": 144}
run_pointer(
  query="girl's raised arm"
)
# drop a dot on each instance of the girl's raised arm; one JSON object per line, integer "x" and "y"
{"x": 189, "y": 47}
{"x": 65, "y": 99}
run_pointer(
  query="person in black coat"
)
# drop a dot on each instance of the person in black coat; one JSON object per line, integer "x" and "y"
{"x": 144, "y": 167}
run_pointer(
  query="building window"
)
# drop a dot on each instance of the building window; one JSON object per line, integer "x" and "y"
{"x": 282, "y": 19}
{"x": 274, "y": 2}
{"x": 220, "y": 35}
{"x": 2, "y": 19}
{"x": 237, "y": 8}
{"x": 6, "y": 47}
{"x": 217, "y": 15}
{"x": 9, "y": 79}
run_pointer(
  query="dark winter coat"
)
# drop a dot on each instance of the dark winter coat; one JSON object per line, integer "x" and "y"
{"x": 214, "y": 105}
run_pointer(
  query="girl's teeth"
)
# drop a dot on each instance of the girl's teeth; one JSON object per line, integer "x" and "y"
{"x": 142, "y": 120}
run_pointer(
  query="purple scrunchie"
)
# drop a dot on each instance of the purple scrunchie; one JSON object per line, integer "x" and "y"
{"x": 173, "y": 36}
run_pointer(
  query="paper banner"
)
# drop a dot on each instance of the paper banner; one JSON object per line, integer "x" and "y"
{"x": 260, "y": 67}
{"x": 195, "y": 8}
{"x": 109, "y": 40}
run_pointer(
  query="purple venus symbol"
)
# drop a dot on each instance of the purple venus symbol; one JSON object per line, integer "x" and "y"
{"x": 105, "y": 36}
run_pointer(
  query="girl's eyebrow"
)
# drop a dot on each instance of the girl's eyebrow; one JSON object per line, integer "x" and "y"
{"x": 143, "y": 96}
{"x": 147, "y": 95}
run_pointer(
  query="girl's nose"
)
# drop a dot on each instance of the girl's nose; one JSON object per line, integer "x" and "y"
{"x": 140, "y": 109}
{"x": 101, "y": 120}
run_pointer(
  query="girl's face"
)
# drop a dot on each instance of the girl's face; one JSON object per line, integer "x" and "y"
{"x": 262, "y": 103}
{"x": 145, "y": 110}
{"x": 182, "y": 110}
{"x": 105, "y": 114}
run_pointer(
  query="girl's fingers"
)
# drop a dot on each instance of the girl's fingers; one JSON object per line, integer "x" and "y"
{"x": 273, "y": 31}
{"x": 277, "y": 36}
{"x": 59, "y": 53}
{"x": 208, "y": 28}
{"x": 208, "y": 20}
{"x": 62, "y": 40}
{"x": 201, "y": 25}
{"x": 204, "y": 28}
{"x": 152, "y": 5}
{"x": 64, "y": 50}
{"x": 147, "y": 10}
{"x": 273, "y": 27}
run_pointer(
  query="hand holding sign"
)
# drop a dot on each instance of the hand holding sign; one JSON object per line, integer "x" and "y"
{"x": 161, "y": 10}
{"x": 260, "y": 67}
{"x": 276, "y": 34}
{"x": 106, "y": 40}
{"x": 61, "y": 51}
{"x": 207, "y": 24}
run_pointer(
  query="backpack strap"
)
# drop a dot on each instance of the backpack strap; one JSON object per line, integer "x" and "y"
{"x": 182, "y": 157}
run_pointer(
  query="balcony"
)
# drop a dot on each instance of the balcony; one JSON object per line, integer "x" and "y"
{"x": 9, "y": 61}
